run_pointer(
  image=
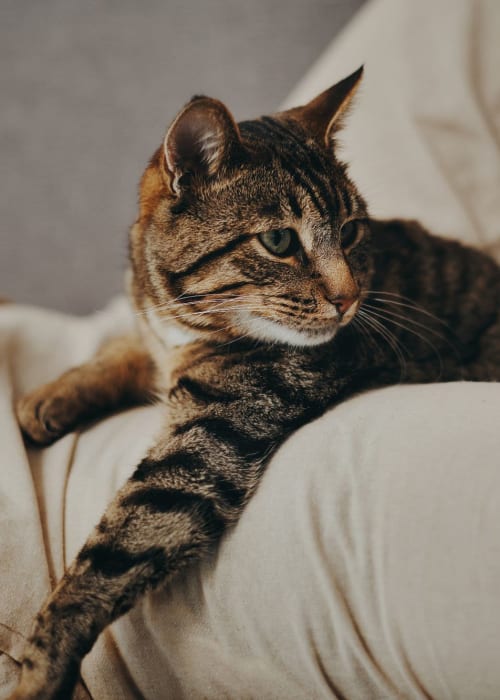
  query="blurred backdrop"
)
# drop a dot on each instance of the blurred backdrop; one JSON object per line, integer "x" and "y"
{"x": 88, "y": 89}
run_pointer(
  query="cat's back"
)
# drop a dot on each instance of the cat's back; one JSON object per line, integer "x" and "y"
{"x": 405, "y": 253}
{"x": 455, "y": 283}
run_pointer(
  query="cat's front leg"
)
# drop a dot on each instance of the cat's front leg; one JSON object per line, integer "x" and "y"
{"x": 120, "y": 374}
{"x": 169, "y": 514}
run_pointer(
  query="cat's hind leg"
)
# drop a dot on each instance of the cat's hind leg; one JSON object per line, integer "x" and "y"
{"x": 121, "y": 374}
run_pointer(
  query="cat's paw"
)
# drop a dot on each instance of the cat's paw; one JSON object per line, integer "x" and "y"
{"x": 24, "y": 693}
{"x": 44, "y": 416}
{"x": 20, "y": 695}
{"x": 28, "y": 691}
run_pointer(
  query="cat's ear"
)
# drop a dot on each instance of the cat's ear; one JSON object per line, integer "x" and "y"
{"x": 323, "y": 116}
{"x": 200, "y": 140}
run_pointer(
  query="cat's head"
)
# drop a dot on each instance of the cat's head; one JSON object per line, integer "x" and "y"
{"x": 252, "y": 229}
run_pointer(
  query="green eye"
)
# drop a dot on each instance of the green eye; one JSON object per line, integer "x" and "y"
{"x": 282, "y": 242}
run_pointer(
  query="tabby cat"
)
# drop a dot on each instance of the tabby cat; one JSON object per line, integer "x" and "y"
{"x": 265, "y": 294}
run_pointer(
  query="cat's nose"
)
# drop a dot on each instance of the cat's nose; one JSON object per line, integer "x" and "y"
{"x": 343, "y": 304}
{"x": 337, "y": 282}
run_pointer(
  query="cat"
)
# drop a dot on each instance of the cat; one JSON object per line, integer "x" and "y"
{"x": 265, "y": 294}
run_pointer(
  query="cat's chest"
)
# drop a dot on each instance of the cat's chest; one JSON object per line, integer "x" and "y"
{"x": 167, "y": 343}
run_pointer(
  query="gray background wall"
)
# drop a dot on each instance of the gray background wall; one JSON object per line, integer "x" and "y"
{"x": 87, "y": 90}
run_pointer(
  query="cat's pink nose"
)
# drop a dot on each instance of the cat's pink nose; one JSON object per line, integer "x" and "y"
{"x": 343, "y": 304}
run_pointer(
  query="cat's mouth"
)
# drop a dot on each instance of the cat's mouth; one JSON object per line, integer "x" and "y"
{"x": 282, "y": 331}
{"x": 173, "y": 331}
{"x": 276, "y": 331}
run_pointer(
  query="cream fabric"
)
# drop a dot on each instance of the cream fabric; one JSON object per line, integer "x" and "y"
{"x": 368, "y": 563}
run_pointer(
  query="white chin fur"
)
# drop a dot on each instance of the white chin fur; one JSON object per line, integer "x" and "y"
{"x": 171, "y": 334}
{"x": 263, "y": 329}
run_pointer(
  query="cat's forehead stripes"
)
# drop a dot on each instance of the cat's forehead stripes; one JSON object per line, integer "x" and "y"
{"x": 261, "y": 134}
{"x": 271, "y": 209}
{"x": 307, "y": 165}
{"x": 294, "y": 205}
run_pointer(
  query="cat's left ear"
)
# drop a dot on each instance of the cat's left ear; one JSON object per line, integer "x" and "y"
{"x": 202, "y": 138}
{"x": 323, "y": 116}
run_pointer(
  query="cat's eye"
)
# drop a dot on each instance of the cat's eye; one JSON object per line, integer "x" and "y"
{"x": 282, "y": 242}
{"x": 349, "y": 234}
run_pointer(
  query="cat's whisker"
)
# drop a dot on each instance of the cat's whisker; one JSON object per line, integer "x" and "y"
{"x": 418, "y": 324}
{"x": 204, "y": 299}
{"x": 159, "y": 307}
{"x": 247, "y": 302}
{"x": 363, "y": 333}
{"x": 368, "y": 323}
{"x": 368, "y": 334}
{"x": 394, "y": 343}
{"x": 234, "y": 340}
{"x": 408, "y": 329}
{"x": 209, "y": 312}
{"x": 199, "y": 299}
{"x": 410, "y": 304}
{"x": 181, "y": 299}
{"x": 359, "y": 325}
{"x": 407, "y": 319}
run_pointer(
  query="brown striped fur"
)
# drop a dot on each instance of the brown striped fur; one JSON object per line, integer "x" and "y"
{"x": 245, "y": 344}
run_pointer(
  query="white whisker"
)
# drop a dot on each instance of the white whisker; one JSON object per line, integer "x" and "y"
{"x": 410, "y": 304}
{"x": 402, "y": 317}
{"x": 381, "y": 314}
{"x": 394, "y": 343}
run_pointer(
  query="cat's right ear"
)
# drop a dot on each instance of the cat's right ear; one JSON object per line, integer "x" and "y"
{"x": 201, "y": 140}
{"x": 324, "y": 115}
